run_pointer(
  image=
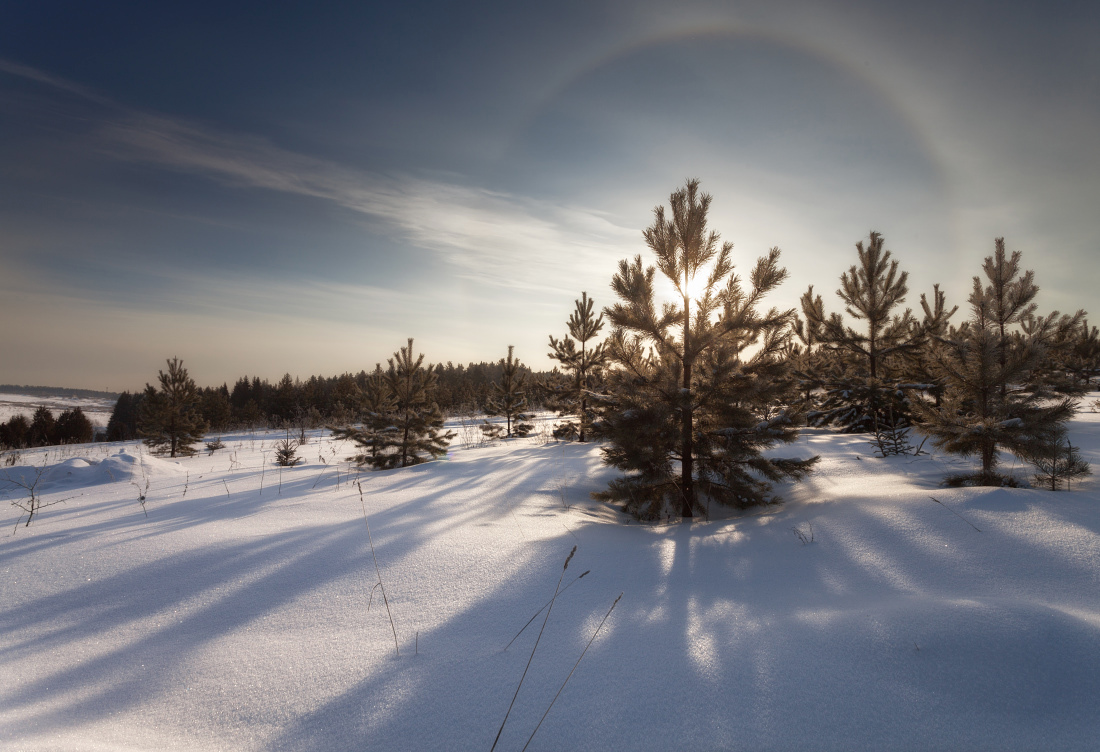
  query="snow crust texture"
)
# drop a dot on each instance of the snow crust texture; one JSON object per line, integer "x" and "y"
{"x": 226, "y": 616}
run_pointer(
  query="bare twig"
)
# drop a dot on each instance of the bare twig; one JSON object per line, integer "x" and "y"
{"x": 32, "y": 504}
{"x": 572, "y": 670}
{"x": 376, "y": 570}
{"x": 571, "y": 584}
{"x": 952, "y": 511}
{"x": 557, "y": 589}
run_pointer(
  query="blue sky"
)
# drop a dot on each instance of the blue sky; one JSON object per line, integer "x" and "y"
{"x": 276, "y": 188}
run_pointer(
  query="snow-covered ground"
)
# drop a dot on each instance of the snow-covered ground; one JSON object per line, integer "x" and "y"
{"x": 239, "y": 613}
{"x": 98, "y": 411}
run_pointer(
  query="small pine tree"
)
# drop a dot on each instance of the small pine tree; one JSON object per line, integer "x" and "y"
{"x": 403, "y": 426}
{"x": 170, "y": 420}
{"x": 864, "y": 397}
{"x": 509, "y": 397}
{"x": 378, "y": 429}
{"x": 1057, "y": 463}
{"x": 286, "y": 452}
{"x": 685, "y": 417}
{"x": 992, "y": 401}
{"x": 1082, "y": 356}
{"x": 582, "y": 364}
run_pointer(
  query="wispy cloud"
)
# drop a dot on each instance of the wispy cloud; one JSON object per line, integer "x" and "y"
{"x": 489, "y": 237}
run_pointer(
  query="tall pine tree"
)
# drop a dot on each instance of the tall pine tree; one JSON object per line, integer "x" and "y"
{"x": 170, "y": 420}
{"x": 583, "y": 363}
{"x": 687, "y": 418}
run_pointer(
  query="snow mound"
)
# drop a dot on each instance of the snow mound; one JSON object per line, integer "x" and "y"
{"x": 79, "y": 472}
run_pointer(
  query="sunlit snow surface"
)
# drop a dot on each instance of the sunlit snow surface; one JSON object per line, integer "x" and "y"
{"x": 235, "y": 618}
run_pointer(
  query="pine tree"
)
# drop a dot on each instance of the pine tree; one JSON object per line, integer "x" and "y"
{"x": 215, "y": 408}
{"x": 992, "y": 399}
{"x": 403, "y": 425}
{"x": 15, "y": 433}
{"x": 864, "y": 398}
{"x": 73, "y": 427}
{"x": 583, "y": 365}
{"x": 685, "y": 417}
{"x": 1058, "y": 463}
{"x": 378, "y": 429}
{"x": 123, "y": 424}
{"x": 43, "y": 428}
{"x": 1081, "y": 354}
{"x": 170, "y": 420}
{"x": 509, "y": 397}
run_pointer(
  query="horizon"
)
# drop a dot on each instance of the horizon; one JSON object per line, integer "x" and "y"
{"x": 300, "y": 192}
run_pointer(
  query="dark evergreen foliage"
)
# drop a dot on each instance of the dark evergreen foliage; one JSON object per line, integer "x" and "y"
{"x": 509, "y": 398}
{"x": 73, "y": 427}
{"x": 215, "y": 408}
{"x": 992, "y": 400}
{"x": 43, "y": 427}
{"x": 15, "y": 433}
{"x": 123, "y": 424}
{"x": 169, "y": 419}
{"x": 861, "y": 393}
{"x": 690, "y": 409}
{"x": 407, "y": 427}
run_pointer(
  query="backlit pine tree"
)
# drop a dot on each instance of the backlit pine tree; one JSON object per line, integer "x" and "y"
{"x": 689, "y": 412}
{"x": 170, "y": 420}
{"x": 865, "y": 398}
{"x": 582, "y": 364}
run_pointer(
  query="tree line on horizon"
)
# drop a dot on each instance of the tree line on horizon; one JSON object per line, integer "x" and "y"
{"x": 686, "y": 397}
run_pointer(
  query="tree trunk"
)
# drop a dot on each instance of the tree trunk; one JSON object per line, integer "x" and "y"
{"x": 582, "y": 382}
{"x": 687, "y": 466}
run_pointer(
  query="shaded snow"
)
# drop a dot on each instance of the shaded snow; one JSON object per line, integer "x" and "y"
{"x": 232, "y": 618}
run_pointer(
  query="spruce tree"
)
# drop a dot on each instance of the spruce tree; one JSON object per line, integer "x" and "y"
{"x": 509, "y": 397}
{"x": 170, "y": 420}
{"x": 993, "y": 400}
{"x": 685, "y": 418}
{"x": 583, "y": 364}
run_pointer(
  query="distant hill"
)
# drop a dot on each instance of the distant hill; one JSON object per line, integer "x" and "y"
{"x": 54, "y": 391}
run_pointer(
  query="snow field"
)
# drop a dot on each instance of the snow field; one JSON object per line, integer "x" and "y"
{"x": 231, "y": 618}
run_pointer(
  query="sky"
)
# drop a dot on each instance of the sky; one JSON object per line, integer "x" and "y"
{"x": 270, "y": 188}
